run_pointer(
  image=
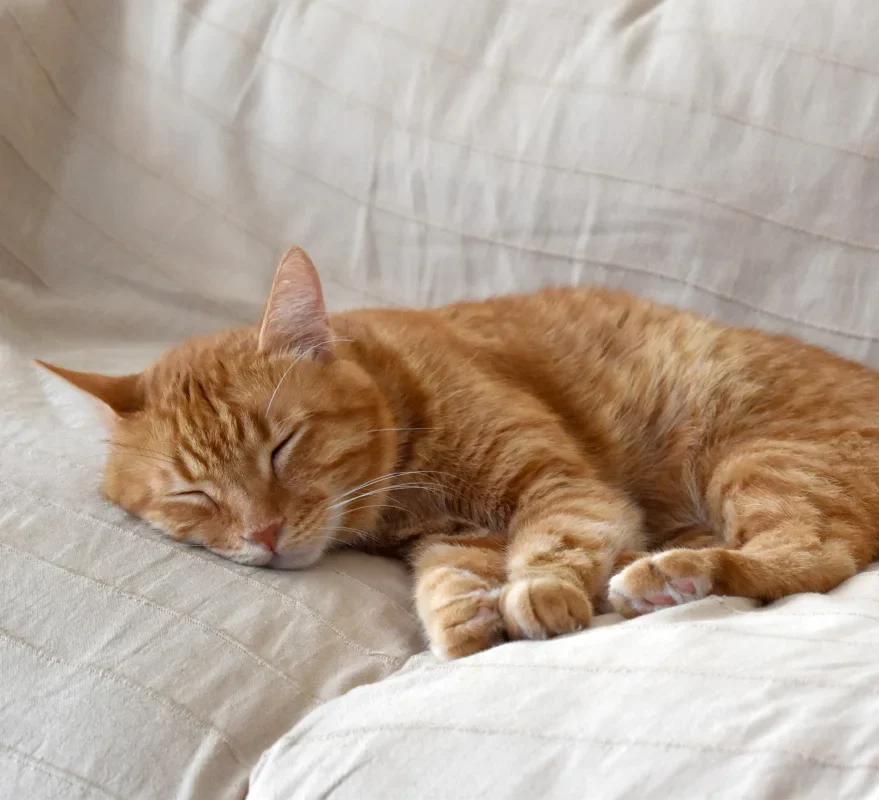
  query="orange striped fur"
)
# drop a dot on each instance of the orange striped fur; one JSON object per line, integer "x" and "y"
{"x": 518, "y": 452}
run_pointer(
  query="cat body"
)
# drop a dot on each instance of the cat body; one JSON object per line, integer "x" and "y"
{"x": 516, "y": 451}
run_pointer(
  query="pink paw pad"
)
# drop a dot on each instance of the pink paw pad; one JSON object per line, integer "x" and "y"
{"x": 644, "y": 587}
{"x": 685, "y": 585}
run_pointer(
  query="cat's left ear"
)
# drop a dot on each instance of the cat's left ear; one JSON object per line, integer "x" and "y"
{"x": 117, "y": 395}
{"x": 296, "y": 316}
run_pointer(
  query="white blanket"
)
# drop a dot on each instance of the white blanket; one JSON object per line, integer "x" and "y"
{"x": 156, "y": 156}
{"x": 712, "y": 701}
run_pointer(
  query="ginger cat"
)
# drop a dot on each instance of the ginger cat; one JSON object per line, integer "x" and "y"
{"x": 513, "y": 451}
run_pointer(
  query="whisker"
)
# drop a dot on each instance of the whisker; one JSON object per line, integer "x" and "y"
{"x": 272, "y": 398}
{"x": 365, "y": 535}
{"x": 383, "y": 505}
{"x": 435, "y": 488}
{"x": 389, "y": 489}
{"x": 296, "y": 360}
{"x": 142, "y": 451}
{"x": 401, "y": 475}
{"x": 379, "y": 479}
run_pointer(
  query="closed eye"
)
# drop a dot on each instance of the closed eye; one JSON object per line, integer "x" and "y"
{"x": 195, "y": 496}
{"x": 281, "y": 449}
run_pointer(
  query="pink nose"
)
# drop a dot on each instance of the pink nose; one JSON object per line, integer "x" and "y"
{"x": 267, "y": 537}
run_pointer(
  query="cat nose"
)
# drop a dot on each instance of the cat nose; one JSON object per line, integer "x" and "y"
{"x": 267, "y": 537}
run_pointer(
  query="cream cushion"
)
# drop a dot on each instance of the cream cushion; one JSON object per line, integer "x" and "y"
{"x": 713, "y": 700}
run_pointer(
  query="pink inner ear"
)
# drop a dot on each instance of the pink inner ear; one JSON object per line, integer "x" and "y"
{"x": 296, "y": 317}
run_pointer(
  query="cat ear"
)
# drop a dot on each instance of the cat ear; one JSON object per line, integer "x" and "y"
{"x": 295, "y": 316}
{"x": 118, "y": 394}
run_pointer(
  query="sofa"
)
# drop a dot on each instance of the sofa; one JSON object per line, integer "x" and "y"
{"x": 157, "y": 156}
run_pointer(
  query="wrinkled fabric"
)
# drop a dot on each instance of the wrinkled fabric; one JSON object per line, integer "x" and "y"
{"x": 714, "y": 699}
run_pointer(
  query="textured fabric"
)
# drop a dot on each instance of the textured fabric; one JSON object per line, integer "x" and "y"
{"x": 156, "y": 156}
{"x": 132, "y": 667}
{"x": 710, "y": 700}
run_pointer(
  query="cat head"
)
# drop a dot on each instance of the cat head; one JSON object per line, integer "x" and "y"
{"x": 250, "y": 443}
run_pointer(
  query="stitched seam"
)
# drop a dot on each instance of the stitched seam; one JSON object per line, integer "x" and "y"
{"x": 602, "y": 669}
{"x": 767, "y": 615}
{"x": 160, "y": 267}
{"x": 781, "y": 47}
{"x": 584, "y": 88}
{"x": 490, "y": 240}
{"x": 368, "y": 587}
{"x": 519, "y": 79}
{"x": 516, "y": 77}
{"x": 155, "y": 172}
{"x": 213, "y": 113}
{"x": 714, "y": 628}
{"x": 854, "y": 599}
{"x": 855, "y": 244}
{"x": 569, "y": 16}
{"x": 122, "y": 246}
{"x": 662, "y": 744}
{"x": 14, "y": 259}
{"x": 143, "y": 601}
{"x": 59, "y": 773}
{"x": 176, "y": 709}
{"x": 622, "y": 629}
{"x": 179, "y": 551}
{"x": 633, "y": 269}
{"x": 58, "y": 457}
{"x": 787, "y": 615}
{"x": 737, "y": 301}
{"x": 502, "y": 243}
{"x": 182, "y": 553}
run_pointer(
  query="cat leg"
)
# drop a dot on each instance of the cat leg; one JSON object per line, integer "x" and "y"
{"x": 789, "y": 529}
{"x": 691, "y": 540}
{"x": 769, "y": 566}
{"x": 457, "y": 588}
{"x": 564, "y": 541}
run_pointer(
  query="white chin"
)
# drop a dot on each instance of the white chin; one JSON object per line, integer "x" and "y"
{"x": 296, "y": 559}
{"x": 251, "y": 558}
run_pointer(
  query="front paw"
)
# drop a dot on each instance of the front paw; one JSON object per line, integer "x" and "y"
{"x": 658, "y": 581}
{"x": 544, "y": 606}
{"x": 460, "y": 614}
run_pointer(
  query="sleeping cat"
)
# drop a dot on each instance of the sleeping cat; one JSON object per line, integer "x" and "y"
{"x": 514, "y": 451}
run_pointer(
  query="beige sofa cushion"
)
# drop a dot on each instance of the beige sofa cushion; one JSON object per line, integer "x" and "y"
{"x": 712, "y": 700}
{"x": 131, "y": 667}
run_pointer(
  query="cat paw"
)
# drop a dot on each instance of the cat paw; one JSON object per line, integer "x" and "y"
{"x": 461, "y": 615}
{"x": 544, "y": 606}
{"x": 660, "y": 581}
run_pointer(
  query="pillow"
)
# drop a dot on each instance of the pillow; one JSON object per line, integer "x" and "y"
{"x": 131, "y": 666}
{"x": 715, "y": 699}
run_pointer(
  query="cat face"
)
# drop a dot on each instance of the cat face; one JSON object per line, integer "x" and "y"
{"x": 250, "y": 443}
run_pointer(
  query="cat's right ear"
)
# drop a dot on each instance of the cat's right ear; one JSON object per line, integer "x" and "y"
{"x": 296, "y": 316}
{"x": 117, "y": 395}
